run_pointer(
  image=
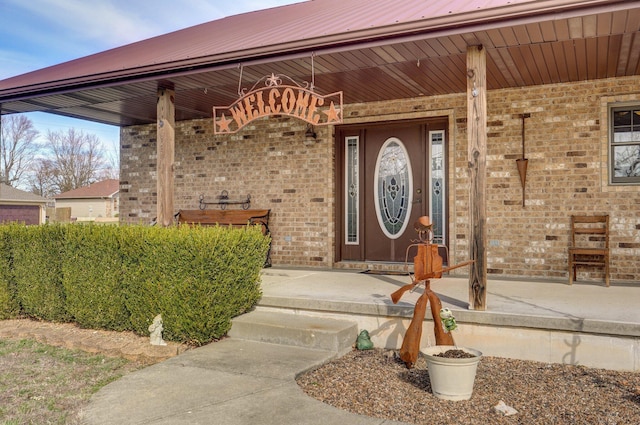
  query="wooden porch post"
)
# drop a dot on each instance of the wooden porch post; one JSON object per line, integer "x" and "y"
{"x": 477, "y": 144}
{"x": 165, "y": 152}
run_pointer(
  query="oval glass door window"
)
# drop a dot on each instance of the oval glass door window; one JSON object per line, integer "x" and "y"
{"x": 393, "y": 188}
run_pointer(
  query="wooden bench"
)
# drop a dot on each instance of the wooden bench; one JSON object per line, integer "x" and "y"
{"x": 235, "y": 218}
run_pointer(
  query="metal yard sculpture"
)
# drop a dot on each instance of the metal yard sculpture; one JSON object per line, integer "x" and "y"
{"x": 427, "y": 266}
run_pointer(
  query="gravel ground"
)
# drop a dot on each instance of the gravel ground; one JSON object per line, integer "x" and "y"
{"x": 376, "y": 383}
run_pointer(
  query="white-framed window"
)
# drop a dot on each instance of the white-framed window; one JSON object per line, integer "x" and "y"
{"x": 624, "y": 143}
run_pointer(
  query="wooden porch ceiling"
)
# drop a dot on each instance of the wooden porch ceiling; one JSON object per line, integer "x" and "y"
{"x": 520, "y": 54}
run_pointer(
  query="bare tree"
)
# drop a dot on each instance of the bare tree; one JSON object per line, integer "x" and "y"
{"x": 40, "y": 178}
{"x": 111, "y": 168}
{"x": 17, "y": 148}
{"x": 76, "y": 160}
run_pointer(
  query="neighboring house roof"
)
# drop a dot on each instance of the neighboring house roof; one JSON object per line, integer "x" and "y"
{"x": 12, "y": 195}
{"x": 408, "y": 48}
{"x": 103, "y": 189}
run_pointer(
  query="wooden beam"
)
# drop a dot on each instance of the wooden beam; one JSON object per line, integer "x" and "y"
{"x": 477, "y": 144}
{"x": 165, "y": 150}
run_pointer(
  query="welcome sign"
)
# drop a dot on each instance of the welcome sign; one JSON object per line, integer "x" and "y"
{"x": 278, "y": 99}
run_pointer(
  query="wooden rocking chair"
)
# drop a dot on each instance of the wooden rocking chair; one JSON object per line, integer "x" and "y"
{"x": 589, "y": 244}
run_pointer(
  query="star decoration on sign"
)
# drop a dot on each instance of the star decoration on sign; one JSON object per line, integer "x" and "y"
{"x": 273, "y": 81}
{"x": 333, "y": 114}
{"x": 223, "y": 124}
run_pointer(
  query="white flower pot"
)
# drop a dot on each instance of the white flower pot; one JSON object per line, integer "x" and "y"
{"x": 451, "y": 379}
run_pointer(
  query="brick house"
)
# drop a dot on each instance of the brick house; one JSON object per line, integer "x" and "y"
{"x": 448, "y": 93}
{"x": 97, "y": 201}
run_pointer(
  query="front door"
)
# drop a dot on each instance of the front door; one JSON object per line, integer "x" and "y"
{"x": 389, "y": 176}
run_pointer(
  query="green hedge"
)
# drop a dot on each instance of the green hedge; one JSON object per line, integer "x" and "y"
{"x": 120, "y": 278}
{"x": 93, "y": 279}
{"x": 37, "y": 253}
{"x": 9, "y": 305}
{"x": 192, "y": 309}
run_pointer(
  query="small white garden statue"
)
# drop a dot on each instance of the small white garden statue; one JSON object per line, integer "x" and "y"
{"x": 155, "y": 330}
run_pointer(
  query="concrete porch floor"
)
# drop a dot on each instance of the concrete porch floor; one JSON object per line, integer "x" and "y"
{"x": 583, "y": 324}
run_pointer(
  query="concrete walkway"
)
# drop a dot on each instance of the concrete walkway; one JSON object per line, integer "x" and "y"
{"x": 246, "y": 383}
{"x": 231, "y": 382}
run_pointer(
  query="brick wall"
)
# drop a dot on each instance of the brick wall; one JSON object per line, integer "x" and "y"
{"x": 566, "y": 144}
{"x": 269, "y": 160}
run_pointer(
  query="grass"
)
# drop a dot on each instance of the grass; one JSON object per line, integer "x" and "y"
{"x": 41, "y": 384}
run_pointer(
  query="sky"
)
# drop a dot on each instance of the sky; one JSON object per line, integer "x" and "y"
{"x": 35, "y": 34}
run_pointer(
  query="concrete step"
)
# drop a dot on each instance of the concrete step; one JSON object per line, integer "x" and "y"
{"x": 317, "y": 333}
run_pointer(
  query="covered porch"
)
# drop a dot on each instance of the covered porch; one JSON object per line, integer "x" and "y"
{"x": 563, "y": 65}
{"x": 543, "y": 320}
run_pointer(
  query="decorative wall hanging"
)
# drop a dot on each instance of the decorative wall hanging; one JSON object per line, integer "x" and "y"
{"x": 523, "y": 162}
{"x": 269, "y": 96}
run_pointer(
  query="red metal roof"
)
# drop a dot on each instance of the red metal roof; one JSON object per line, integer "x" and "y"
{"x": 354, "y": 41}
{"x": 101, "y": 189}
{"x": 310, "y": 24}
